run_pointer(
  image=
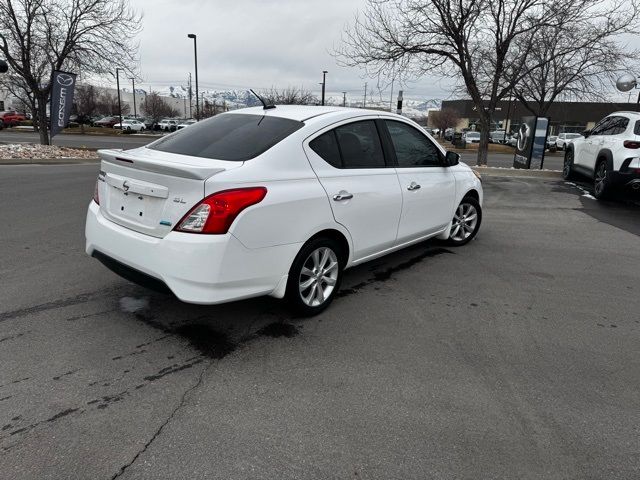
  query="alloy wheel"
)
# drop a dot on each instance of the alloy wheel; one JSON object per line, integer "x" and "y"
{"x": 318, "y": 276}
{"x": 464, "y": 222}
{"x": 568, "y": 161}
{"x": 601, "y": 179}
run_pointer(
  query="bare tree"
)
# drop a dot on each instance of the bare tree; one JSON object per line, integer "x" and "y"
{"x": 107, "y": 104}
{"x": 289, "y": 96}
{"x": 558, "y": 71}
{"x": 485, "y": 43}
{"x": 445, "y": 118}
{"x": 86, "y": 102}
{"x": 157, "y": 108}
{"x": 82, "y": 36}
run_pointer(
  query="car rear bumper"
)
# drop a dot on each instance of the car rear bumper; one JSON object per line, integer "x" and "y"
{"x": 204, "y": 269}
{"x": 627, "y": 180}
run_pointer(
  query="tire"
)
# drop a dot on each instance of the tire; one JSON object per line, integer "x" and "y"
{"x": 601, "y": 180}
{"x": 128, "y": 129}
{"x": 305, "y": 276}
{"x": 465, "y": 226}
{"x": 567, "y": 169}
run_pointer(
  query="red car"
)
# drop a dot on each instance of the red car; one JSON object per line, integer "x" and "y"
{"x": 10, "y": 117}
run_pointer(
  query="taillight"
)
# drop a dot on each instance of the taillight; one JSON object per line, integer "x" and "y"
{"x": 96, "y": 194}
{"x": 631, "y": 144}
{"x": 216, "y": 213}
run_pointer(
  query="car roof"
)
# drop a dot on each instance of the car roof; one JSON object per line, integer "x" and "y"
{"x": 302, "y": 113}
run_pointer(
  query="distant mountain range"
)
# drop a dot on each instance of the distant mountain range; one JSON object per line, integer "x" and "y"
{"x": 241, "y": 98}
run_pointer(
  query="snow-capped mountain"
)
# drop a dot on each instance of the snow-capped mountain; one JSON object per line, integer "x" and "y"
{"x": 241, "y": 98}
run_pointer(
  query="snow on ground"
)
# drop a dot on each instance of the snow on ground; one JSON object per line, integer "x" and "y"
{"x": 41, "y": 152}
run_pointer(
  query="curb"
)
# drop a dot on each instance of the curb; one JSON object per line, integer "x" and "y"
{"x": 47, "y": 161}
{"x": 516, "y": 172}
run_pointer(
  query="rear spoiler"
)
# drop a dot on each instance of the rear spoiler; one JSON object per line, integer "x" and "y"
{"x": 157, "y": 164}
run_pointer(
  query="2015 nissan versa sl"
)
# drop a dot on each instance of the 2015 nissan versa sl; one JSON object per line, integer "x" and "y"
{"x": 277, "y": 202}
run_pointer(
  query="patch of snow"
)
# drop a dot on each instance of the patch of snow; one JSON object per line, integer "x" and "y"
{"x": 133, "y": 305}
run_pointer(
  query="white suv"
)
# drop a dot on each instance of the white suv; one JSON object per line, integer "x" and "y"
{"x": 609, "y": 154}
{"x": 167, "y": 125}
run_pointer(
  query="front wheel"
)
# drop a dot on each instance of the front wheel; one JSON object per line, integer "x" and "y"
{"x": 567, "y": 169}
{"x": 602, "y": 181}
{"x": 315, "y": 276}
{"x": 466, "y": 222}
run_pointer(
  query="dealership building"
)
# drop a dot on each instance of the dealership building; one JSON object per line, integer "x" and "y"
{"x": 563, "y": 116}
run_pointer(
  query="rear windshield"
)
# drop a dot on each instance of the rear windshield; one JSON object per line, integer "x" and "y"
{"x": 235, "y": 137}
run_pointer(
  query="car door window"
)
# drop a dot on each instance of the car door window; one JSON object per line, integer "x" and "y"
{"x": 360, "y": 145}
{"x": 602, "y": 127}
{"x": 617, "y": 126}
{"x": 413, "y": 149}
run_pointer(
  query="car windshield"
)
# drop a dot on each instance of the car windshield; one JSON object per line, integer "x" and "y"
{"x": 235, "y": 137}
{"x": 473, "y": 135}
{"x": 573, "y": 135}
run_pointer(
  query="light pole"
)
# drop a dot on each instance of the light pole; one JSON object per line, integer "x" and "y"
{"x": 344, "y": 99}
{"x": 324, "y": 82}
{"x": 195, "y": 56}
{"x": 118, "y": 87}
{"x": 133, "y": 82}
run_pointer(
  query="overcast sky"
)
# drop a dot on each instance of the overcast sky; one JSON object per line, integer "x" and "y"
{"x": 254, "y": 43}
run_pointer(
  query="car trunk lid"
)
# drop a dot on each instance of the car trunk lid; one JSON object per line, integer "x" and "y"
{"x": 149, "y": 191}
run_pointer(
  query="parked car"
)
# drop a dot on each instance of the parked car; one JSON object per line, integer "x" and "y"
{"x": 186, "y": 123}
{"x": 551, "y": 143}
{"x": 472, "y": 137}
{"x": 276, "y": 202}
{"x": 130, "y": 125}
{"x": 498, "y": 136}
{"x": 609, "y": 154}
{"x": 168, "y": 125}
{"x": 106, "y": 122}
{"x": 448, "y": 133}
{"x": 148, "y": 123}
{"x": 565, "y": 139}
{"x": 11, "y": 118}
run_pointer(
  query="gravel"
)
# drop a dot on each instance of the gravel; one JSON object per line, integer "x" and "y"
{"x": 39, "y": 152}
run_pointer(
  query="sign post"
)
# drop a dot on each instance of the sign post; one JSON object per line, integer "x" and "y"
{"x": 532, "y": 142}
{"x": 62, "y": 88}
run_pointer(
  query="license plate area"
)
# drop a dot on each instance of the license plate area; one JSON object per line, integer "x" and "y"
{"x": 131, "y": 205}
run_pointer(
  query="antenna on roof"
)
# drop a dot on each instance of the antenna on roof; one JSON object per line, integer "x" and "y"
{"x": 264, "y": 104}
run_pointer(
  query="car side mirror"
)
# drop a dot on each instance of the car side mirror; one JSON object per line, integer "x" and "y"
{"x": 451, "y": 159}
{"x": 586, "y": 133}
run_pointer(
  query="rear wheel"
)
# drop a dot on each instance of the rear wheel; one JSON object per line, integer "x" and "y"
{"x": 466, "y": 222}
{"x": 567, "y": 169}
{"x": 315, "y": 276}
{"x": 601, "y": 181}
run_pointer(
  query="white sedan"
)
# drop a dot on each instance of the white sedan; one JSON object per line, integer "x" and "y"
{"x": 130, "y": 126}
{"x": 564, "y": 139}
{"x": 276, "y": 202}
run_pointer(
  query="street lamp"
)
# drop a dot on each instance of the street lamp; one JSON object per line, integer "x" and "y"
{"x": 118, "y": 86}
{"x": 133, "y": 82}
{"x": 195, "y": 55}
{"x": 324, "y": 82}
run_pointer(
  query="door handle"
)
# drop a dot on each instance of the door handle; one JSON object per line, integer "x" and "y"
{"x": 343, "y": 196}
{"x": 413, "y": 186}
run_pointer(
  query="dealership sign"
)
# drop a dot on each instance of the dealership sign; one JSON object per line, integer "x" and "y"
{"x": 532, "y": 142}
{"x": 62, "y": 88}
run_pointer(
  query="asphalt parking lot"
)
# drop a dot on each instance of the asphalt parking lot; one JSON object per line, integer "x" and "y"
{"x": 516, "y": 356}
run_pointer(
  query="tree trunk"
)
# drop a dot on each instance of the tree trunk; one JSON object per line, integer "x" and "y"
{"x": 42, "y": 120}
{"x": 483, "y": 147}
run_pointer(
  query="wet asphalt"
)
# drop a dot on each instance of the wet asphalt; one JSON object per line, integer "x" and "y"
{"x": 516, "y": 356}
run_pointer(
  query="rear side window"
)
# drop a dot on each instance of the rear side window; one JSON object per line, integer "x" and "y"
{"x": 618, "y": 126}
{"x": 326, "y": 146}
{"x": 636, "y": 128}
{"x": 234, "y": 137}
